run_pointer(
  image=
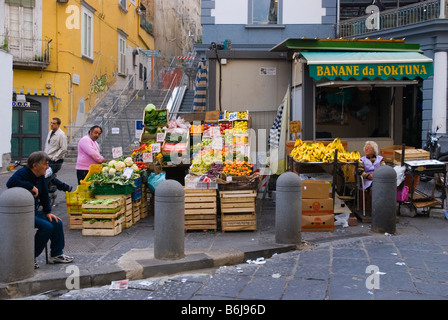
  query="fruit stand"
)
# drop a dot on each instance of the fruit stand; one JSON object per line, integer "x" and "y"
{"x": 311, "y": 157}
{"x": 220, "y": 164}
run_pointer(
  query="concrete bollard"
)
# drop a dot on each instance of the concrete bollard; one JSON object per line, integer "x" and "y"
{"x": 384, "y": 198}
{"x": 169, "y": 221}
{"x": 16, "y": 235}
{"x": 288, "y": 209}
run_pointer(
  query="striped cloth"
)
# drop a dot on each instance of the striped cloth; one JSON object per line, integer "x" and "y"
{"x": 200, "y": 90}
{"x": 275, "y": 132}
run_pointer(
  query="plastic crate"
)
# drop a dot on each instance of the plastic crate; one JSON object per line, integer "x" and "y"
{"x": 75, "y": 199}
{"x": 94, "y": 168}
{"x": 112, "y": 189}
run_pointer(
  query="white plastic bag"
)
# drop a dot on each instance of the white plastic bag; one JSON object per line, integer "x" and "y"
{"x": 400, "y": 174}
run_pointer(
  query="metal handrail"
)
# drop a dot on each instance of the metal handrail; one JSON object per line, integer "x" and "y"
{"x": 393, "y": 18}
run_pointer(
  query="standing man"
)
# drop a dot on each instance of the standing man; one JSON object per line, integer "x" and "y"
{"x": 56, "y": 149}
{"x": 49, "y": 226}
{"x": 88, "y": 152}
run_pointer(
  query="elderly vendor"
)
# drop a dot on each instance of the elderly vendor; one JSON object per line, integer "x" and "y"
{"x": 369, "y": 163}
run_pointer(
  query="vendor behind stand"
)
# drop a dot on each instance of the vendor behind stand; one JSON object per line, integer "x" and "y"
{"x": 88, "y": 153}
{"x": 369, "y": 163}
{"x": 366, "y": 167}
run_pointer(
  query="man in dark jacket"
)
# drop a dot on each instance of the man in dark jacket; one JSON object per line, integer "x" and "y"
{"x": 49, "y": 226}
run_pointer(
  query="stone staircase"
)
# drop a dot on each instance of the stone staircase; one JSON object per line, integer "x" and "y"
{"x": 118, "y": 122}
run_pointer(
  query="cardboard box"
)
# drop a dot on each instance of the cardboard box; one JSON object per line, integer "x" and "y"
{"x": 315, "y": 189}
{"x": 388, "y": 153}
{"x": 212, "y": 116}
{"x": 318, "y": 223}
{"x": 317, "y": 207}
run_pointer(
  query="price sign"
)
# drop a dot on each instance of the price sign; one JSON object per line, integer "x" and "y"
{"x": 155, "y": 147}
{"x": 215, "y": 132}
{"x": 147, "y": 157}
{"x": 233, "y": 116}
{"x": 217, "y": 143}
{"x": 295, "y": 126}
{"x": 127, "y": 172}
{"x": 160, "y": 136}
{"x": 117, "y": 152}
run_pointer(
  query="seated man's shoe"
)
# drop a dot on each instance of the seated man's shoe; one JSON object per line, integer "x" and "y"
{"x": 62, "y": 258}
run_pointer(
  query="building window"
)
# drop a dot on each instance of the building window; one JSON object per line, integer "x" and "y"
{"x": 123, "y": 5}
{"x": 264, "y": 11}
{"x": 86, "y": 33}
{"x": 121, "y": 55}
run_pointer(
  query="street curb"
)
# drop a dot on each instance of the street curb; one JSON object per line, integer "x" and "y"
{"x": 150, "y": 267}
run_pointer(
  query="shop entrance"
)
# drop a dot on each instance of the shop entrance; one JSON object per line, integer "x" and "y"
{"x": 367, "y": 111}
{"x": 353, "y": 111}
{"x": 26, "y": 130}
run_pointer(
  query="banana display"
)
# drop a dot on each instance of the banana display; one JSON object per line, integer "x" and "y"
{"x": 318, "y": 152}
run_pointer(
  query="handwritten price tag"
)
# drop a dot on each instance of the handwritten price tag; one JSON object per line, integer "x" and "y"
{"x": 147, "y": 157}
{"x": 155, "y": 147}
{"x": 117, "y": 152}
{"x": 160, "y": 136}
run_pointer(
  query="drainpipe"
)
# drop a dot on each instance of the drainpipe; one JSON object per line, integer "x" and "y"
{"x": 439, "y": 94}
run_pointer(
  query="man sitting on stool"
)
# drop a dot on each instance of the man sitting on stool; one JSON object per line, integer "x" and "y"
{"x": 49, "y": 226}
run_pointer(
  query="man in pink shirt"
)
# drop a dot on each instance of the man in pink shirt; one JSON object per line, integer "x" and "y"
{"x": 88, "y": 152}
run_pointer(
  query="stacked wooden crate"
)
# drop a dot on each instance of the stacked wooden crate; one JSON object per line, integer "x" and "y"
{"x": 238, "y": 210}
{"x": 200, "y": 209}
{"x": 127, "y": 207}
{"x": 102, "y": 217}
{"x": 144, "y": 202}
{"x": 136, "y": 210}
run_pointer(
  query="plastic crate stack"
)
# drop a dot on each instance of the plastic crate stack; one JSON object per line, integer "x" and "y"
{"x": 74, "y": 201}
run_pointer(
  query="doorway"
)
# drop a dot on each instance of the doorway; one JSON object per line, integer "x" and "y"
{"x": 26, "y": 130}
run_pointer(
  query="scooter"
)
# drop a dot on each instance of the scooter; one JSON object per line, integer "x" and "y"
{"x": 51, "y": 184}
{"x": 433, "y": 146}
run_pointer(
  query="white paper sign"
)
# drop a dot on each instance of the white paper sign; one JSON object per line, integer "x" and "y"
{"x": 155, "y": 147}
{"x": 147, "y": 157}
{"x": 127, "y": 172}
{"x": 115, "y": 130}
{"x": 217, "y": 143}
{"x": 215, "y": 132}
{"x": 117, "y": 152}
{"x": 233, "y": 116}
{"x": 160, "y": 136}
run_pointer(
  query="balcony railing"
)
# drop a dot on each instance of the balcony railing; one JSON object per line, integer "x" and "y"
{"x": 393, "y": 18}
{"x": 27, "y": 53}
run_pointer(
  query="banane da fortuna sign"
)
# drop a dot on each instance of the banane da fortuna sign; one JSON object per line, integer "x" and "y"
{"x": 371, "y": 71}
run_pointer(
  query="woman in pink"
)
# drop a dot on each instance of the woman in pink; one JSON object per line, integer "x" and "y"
{"x": 88, "y": 152}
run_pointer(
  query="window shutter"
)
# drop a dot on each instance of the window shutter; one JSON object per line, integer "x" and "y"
{"x": 21, "y": 3}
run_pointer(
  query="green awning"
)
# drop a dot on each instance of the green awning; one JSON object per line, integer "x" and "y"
{"x": 368, "y": 65}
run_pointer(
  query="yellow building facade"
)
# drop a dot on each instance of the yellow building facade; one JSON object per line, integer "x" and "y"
{"x": 66, "y": 55}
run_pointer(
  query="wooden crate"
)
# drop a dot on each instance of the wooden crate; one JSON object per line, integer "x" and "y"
{"x": 75, "y": 221}
{"x": 238, "y": 210}
{"x": 410, "y": 155}
{"x": 102, "y": 224}
{"x": 200, "y": 209}
{"x": 103, "y": 232}
{"x": 127, "y": 206}
{"x": 136, "y": 211}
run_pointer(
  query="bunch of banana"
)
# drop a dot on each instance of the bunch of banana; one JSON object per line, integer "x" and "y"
{"x": 317, "y": 152}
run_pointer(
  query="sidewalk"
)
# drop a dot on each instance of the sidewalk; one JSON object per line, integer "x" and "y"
{"x": 129, "y": 255}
